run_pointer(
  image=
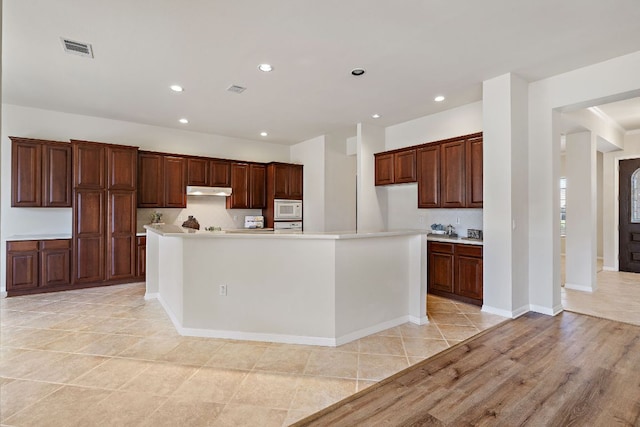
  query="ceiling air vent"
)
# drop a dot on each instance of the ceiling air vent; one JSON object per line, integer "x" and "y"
{"x": 236, "y": 89}
{"x": 77, "y": 48}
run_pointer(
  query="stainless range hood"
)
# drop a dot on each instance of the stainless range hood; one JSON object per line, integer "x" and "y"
{"x": 193, "y": 190}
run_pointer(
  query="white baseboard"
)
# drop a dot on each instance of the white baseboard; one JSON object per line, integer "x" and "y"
{"x": 3, "y": 294}
{"x": 605, "y": 268}
{"x": 500, "y": 312}
{"x": 419, "y": 320}
{"x": 546, "y": 310}
{"x": 361, "y": 333}
{"x": 151, "y": 295}
{"x": 582, "y": 288}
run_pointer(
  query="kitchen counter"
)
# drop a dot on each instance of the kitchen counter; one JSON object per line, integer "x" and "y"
{"x": 169, "y": 230}
{"x": 304, "y": 288}
{"x": 444, "y": 238}
{"x": 22, "y": 237}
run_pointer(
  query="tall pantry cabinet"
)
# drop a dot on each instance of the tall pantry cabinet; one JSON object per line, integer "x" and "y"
{"x": 104, "y": 213}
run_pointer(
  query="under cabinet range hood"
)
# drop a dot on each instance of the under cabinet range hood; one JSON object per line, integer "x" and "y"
{"x": 193, "y": 190}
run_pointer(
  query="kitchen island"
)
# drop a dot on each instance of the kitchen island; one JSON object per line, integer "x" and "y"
{"x": 305, "y": 288}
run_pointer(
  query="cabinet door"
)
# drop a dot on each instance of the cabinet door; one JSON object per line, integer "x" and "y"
{"x": 428, "y": 161}
{"x": 121, "y": 236}
{"x": 474, "y": 172}
{"x": 88, "y": 233}
{"x": 219, "y": 173}
{"x": 141, "y": 256}
{"x": 26, "y": 174}
{"x": 441, "y": 272}
{"x": 150, "y": 180}
{"x": 89, "y": 165}
{"x": 122, "y": 167}
{"x": 22, "y": 265}
{"x": 281, "y": 181}
{"x": 384, "y": 169}
{"x": 56, "y": 175}
{"x": 175, "y": 182}
{"x": 452, "y": 176}
{"x": 404, "y": 166}
{"x": 469, "y": 277}
{"x": 55, "y": 263}
{"x": 296, "y": 173}
{"x": 258, "y": 186}
{"x": 198, "y": 171}
{"x": 239, "y": 198}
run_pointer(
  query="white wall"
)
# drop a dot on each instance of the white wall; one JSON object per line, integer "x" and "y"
{"x": 610, "y": 207}
{"x": 311, "y": 154}
{"x": 340, "y": 183}
{"x": 53, "y": 125}
{"x": 372, "y": 200}
{"x": 403, "y": 212}
{"x": 607, "y": 81}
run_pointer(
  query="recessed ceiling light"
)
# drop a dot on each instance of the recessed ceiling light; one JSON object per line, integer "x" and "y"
{"x": 176, "y": 88}
{"x": 439, "y": 98}
{"x": 263, "y": 134}
{"x": 358, "y": 71}
{"x": 183, "y": 121}
{"x": 265, "y": 67}
{"x": 375, "y": 116}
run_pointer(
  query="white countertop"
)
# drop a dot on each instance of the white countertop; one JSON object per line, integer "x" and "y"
{"x": 19, "y": 237}
{"x": 169, "y": 230}
{"x": 460, "y": 240}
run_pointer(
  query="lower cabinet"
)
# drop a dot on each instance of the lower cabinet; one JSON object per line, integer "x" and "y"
{"x": 141, "y": 256}
{"x": 36, "y": 265}
{"x": 455, "y": 271}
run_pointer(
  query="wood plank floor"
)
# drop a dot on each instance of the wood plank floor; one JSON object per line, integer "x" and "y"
{"x": 536, "y": 370}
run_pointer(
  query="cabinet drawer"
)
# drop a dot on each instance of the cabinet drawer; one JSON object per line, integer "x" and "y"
{"x": 446, "y": 248}
{"x": 22, "y": 246}
{"x": 469, "y": 250}
{"x": 55, "y": 244}
{"x": 141, "y": 240}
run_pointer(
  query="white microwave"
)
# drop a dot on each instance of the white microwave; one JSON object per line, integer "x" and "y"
{"x": 287, "y": 210}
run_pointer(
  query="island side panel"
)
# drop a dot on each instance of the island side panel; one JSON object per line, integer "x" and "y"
{"x": 277, "y": 287}
{"x": 418, "y": 269}
{"x": 151, "y": 274}
{"x": 171, "y": 277}
{"x": 373, "y": 284}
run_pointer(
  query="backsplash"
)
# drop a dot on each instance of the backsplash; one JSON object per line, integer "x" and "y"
{"x": 210, "y": 211}
{"x": 469, "y": 218}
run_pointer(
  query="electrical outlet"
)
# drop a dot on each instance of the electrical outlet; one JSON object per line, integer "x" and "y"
{"x": 420, "y": 219}
{"x": 223, "y": 290}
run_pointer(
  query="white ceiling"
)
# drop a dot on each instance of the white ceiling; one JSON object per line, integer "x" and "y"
{"x": 625, "y": 113}
{"x": 412, "y": 50}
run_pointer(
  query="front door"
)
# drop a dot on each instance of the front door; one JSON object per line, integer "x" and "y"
{"x": 629, "y": 215}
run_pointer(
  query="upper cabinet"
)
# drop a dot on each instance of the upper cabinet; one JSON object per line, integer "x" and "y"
{"x": 208, "y": 172}
{"x": 162, "y": 180}
{"x": 248, "y": 184}
{"x": 40, "y": 173}
{"x": 284, "y": 181}
{"x": 395, "y": 167}
{"x": 449, "y": 172}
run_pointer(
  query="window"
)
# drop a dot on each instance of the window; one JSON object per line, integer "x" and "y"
{"x": 635, "y": 196}
{"x": 563, "y": 206}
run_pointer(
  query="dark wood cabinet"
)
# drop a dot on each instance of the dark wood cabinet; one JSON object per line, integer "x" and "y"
{"x": 162, "y": 180}
{"x": 22, "y": 266}
{"x": 37, "y": 265}
{"x": 175, "y": 182}
{"x": 104, "y": 214}
{"x": 150, "y": 180}
{"x": 40, "y": 173}
{"x": 55, "y": 263}
{"x": 284, "y": 181}
{"x": 239, "y": 198}
{"x": 384, "y": 169}
{"x": 474, "y": 172}
{"x": 248, "y": 184}
{"x": 452, "y": 174}
{"x": 208, "y": 172}
{"x": 455, "y": 271}
{"x": 257, "y": 186}
{"x": 141, "y": 256}
{"x": 428, "y": 161}
{"x": 296, "y": 182}
{"x": 197, "y": 171}
{"x": 397, "y": 167}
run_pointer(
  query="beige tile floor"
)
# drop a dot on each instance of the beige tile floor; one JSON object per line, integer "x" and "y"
{"x": 617, "y": 297}
{"x": 105, "y": 356}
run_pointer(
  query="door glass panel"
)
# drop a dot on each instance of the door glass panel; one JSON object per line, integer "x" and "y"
{"x": 635, "y": 196}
